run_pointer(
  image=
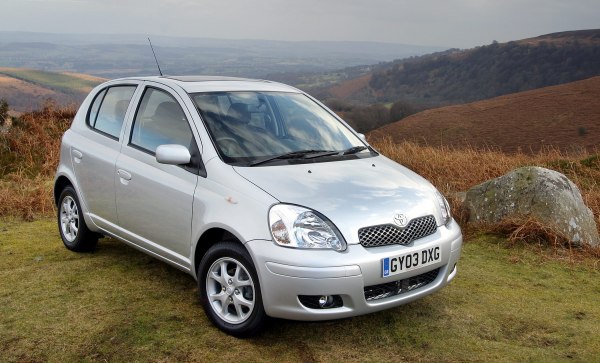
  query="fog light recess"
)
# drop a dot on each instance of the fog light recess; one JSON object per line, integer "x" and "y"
{"x": 321, "y": 301}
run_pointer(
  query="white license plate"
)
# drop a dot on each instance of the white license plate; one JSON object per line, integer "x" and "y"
{"x": 409, "y": 261}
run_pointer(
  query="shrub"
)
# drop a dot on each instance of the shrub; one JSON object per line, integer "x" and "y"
{"x": 3, "y": 111}
{"x": 29, "y": 153}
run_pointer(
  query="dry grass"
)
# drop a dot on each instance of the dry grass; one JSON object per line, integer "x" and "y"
{"x": 454, "y": 170}
{"x": 29, "y": 153}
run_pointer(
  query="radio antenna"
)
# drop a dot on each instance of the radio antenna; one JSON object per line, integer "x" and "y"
{"x": 156, "y": 59}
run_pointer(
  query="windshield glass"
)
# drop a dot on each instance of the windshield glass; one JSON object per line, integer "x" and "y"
{"x": 250, "y": 127}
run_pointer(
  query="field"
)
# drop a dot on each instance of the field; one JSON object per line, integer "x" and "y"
{"x": 27, "y": 89}
{"x": 517, "y": 297}
{"x": 508, "y": 303}
{"x": 69, "y": 82}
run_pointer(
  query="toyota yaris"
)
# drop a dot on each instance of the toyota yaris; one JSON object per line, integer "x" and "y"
{"x": 266, "y": 197}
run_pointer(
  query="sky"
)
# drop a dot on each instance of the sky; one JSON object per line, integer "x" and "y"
{"x": 447, "y": 23}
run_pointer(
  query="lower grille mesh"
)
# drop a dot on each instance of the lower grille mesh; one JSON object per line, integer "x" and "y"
{"x": 377, "y": 292}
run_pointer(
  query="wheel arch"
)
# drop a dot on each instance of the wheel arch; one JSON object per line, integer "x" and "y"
{"x": 209, "y": 238}
{"x": 59, "y": 185}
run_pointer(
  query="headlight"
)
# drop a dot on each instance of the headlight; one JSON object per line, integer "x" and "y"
{"x": 444, "y": 208}
{"x": 298, "y": 227}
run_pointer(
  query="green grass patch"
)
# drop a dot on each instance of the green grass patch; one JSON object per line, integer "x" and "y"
{"x": 56, "y": 81}
{"x": 506, "y": 304}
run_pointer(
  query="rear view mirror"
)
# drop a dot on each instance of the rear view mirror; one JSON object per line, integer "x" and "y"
{"x": 173, "y": 154}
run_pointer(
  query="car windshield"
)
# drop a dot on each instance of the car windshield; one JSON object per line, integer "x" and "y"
{"x": 252, "y": 128}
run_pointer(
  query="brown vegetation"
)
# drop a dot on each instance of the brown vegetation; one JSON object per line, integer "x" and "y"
{"x": 566, "y": 117}
{"x": 454, "y": 170}
{"x": 29, "y": 153}
{"x": 350, "y": 87}
{"x": 590, "y": 36}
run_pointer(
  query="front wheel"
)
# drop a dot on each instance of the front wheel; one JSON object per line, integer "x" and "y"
{"x": 71, "y": 225}
{"x": 230, "y": 290}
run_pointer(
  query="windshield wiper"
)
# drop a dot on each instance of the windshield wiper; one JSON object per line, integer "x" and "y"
{"x": 301, "y": 154}
{"x": 354, "y": 150}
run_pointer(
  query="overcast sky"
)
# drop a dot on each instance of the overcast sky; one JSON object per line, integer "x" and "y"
{"x": 451, "y": 23}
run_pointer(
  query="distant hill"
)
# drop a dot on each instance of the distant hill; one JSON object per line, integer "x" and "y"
{"x": 459, "y": 76}
{"x": 566, "y": 117}
{"x": 118, "y": 55}
{"x": 27, "y": 89}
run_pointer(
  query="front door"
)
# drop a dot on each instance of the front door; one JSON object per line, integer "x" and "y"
{"x": 154, "y": 201}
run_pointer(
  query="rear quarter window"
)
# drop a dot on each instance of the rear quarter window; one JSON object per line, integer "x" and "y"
{"x": 107, "y": 112}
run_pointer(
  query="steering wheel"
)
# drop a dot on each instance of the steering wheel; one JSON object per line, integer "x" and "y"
{"x": 229, "y": 145}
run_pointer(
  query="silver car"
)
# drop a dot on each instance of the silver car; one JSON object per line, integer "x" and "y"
{"x": 267, "y": 198}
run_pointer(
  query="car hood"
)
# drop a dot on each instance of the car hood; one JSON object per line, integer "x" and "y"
{"x": 351, "y": 193}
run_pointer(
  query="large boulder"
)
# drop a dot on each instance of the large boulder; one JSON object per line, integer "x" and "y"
{"x": 546, "y": 195}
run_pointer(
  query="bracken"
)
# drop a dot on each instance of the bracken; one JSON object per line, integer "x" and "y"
{"x": 29, "y": 153}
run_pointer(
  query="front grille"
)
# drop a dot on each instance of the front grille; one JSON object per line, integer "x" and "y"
{"x": 377, "y": 292}
{"x": 389, "y": 234}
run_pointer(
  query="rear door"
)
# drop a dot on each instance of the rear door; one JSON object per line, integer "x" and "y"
{"x": 154, "y": 201}
{"x": 95, "y": 154}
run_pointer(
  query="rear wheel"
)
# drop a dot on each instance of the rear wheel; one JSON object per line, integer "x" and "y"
{"x": 230, "y": 290}
{"x": 71, "y": 225}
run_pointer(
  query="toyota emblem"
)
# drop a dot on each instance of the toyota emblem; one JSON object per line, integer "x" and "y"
{"x": 400, "y": 219}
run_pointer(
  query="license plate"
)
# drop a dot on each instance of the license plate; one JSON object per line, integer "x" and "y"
{"x": 409, "y": 261}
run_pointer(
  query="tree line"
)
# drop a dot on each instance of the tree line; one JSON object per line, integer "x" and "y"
{"x": 366, "y": 118}
{"x": 487, "y": 71}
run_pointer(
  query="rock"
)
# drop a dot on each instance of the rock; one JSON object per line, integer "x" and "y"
{"x": 546, "y": 195}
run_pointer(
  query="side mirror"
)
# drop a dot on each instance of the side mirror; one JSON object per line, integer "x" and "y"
{"x": 362, "y": 136}
{"x": 173, "y": 154}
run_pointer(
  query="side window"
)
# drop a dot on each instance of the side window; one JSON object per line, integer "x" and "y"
{"x": 95, "y": 107}
{"x": 159, "y": 120}
{"x": 107, "y": 112}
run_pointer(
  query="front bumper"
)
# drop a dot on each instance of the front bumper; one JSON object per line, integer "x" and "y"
{"x": 287, "y": 273}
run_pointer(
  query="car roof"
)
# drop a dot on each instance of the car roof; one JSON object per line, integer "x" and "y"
{"x": 193, "y": 84}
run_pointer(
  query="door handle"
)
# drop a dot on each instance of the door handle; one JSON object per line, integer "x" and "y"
{"x": 124, "y": 174}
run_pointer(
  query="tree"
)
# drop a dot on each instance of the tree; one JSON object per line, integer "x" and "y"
{"x": 3, "y": 111}
{"x": 365, "y": 119}
{"x": 401, "y": 109}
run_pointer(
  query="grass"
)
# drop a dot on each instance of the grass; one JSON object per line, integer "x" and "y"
{"x": 57, "y": 81}
{"x": 516, "y": 303}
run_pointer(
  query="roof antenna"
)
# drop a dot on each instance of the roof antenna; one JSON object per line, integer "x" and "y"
{"x": 159, "y": 71}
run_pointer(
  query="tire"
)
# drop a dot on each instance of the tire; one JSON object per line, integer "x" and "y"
{"x": 230, "y": 291}
{"x": 71, "y": 225}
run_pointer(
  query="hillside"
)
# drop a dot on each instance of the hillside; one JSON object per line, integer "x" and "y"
{"x": 28, "y": 89}
{"x": 460, "y": 76}
{"x": 566, "y": 117}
